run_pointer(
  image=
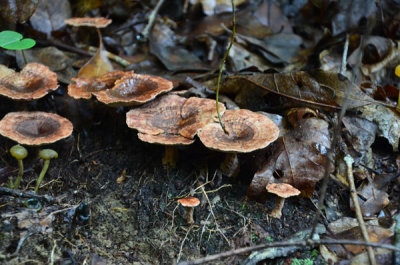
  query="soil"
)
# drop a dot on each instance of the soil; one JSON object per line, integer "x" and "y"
{"x": 131, "y": 198}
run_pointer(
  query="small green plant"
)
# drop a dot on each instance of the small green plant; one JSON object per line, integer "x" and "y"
{"x": 269, "y": 239}
{"x": 11, "y": 40}
{"x": 302, "y": 262}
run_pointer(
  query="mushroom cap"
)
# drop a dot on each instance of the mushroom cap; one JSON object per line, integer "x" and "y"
{"x": 165, "y": 139}
{"x": 34, "y": 81}
{"x": 35, "y": 128}
{"x": 97, "y": 22}
{"x": 196, "y": 113}
{"x": 133, "y": 90}
{"x": 247, "y": 132}
{"x": 84, "y": 87}
{"x": 283, "y": 190}
{"x": 189, "y": 201}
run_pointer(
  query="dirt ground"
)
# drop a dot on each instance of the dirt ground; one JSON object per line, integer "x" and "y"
{"x": 132, "y": 199}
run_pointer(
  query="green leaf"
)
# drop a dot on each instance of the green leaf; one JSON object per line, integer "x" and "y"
{"x": 12, "y": 40}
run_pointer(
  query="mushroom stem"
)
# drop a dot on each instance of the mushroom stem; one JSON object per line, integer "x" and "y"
{"x": 47, "y": 155}
{"x": 230, "y": 166}
{"x": 170, "y": 156}
{"x": 42, "y": 173}
{"x": 277, "y": 211}
{"x": 20, "y": 173}
{"x": 19, "y": 152}
{"x": 189, "y": 215}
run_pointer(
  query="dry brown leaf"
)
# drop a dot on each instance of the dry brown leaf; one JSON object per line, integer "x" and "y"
{"x": 298, "y": 158}
{"x": 98, "y": 65}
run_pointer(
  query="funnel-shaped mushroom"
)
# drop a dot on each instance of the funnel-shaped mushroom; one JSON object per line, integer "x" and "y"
{"x": 34, "y": 81}
{"x": 35, "y": 128}
{"x": 171, "y": 120}
{"x": 96, "y": 22}
{"x": 134, "y": 90}
{"x": 247, "y": 131}
{"x": 84, "y": 87}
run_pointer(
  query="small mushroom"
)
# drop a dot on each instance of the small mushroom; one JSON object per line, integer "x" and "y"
{"x": 34, "y": 81}
{"x": 46, "y": 155}
{"x": 189, "y": 203}
{"x": 35, "y": 128}
{"x": 283, "y": 191}
{"x": 96, "y": 22}
{"x": 19, "y": 152}
{"x": 247, "y": 131}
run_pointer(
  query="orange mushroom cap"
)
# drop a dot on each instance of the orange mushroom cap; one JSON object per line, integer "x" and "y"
{"x": 134, "y": 90}
{"x": 189, "y": 201}
{"x": 35, "y": 128}
{"x": 34, "y": 81}
{"x": 247, "y": 131}
{"x": 97, "y": 22}
{"x": 84, "y": 87}
{"x": 283, "y": 190}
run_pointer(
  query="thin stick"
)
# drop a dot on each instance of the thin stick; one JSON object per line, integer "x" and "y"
{"x": 223, "y": 63}
{"x": 331, "y": 153}
{"x": 353, "y": 193}
{"x": 26, "y": 194}
{"x": 151, "y": 21}
{"x": 300, "y": 243}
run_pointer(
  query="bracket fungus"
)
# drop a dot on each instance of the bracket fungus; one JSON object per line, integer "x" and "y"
{"x": 84, "y": 87}
{"x": 246, "y": 131}
{"x": 35, "y": 128}
{"x": 171, "y": 120}
{"x": 283, "y": 191}
{"x": 34, "y": 81}
{"x": 134, "y": 89}
{"x": 189, "y": 203}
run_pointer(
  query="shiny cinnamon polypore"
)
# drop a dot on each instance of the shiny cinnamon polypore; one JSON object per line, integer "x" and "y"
{"x": 84, "y": 87}
{"x": 172, "y": 115}
{"x": 134, "y": 90}
{"x": 247, "y": 131}
{"x": 34, "y": 81}
{"x": 35, "y": 128}
{"x": 97, "y": 22}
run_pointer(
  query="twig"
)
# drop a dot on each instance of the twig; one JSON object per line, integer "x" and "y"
{"x": 353, "y": 193}
{"x": 111, "y": 56}
{"x": 26, "y": 194}
{"x": 183, "y": 242}
{"x": 396, "y": 255}
{"x": 331, "y": 152}
{"x": 215, "y": 219}
{"x": 150, "y": 23}
{"x": 223, "y": 63}
{"x": 344, "y": 56}
{"x": 301, "y": 243}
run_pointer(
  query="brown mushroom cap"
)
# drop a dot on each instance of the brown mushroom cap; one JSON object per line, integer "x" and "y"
{"x": 34, "y": 81}
{"x": 283, "y": 190}
{"x": 189, "y": 201}
{"x": 97, "y": 22}
{"x": 84, "y": 87}
{"x": 35, "y": 128}
{"x": 171, "y": 119}
{"x": 247, "y": 131}
{"x": 196, "y": 113}
{"x": 134, "y": 90}
{"x": 165, "y": 139}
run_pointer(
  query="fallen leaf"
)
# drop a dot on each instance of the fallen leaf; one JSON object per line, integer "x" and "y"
{"x": 98, "y": 65}
{"x": 298, "y": 158}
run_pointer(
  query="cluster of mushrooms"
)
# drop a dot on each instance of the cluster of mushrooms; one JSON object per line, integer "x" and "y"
{"x": 168, "y": 119}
